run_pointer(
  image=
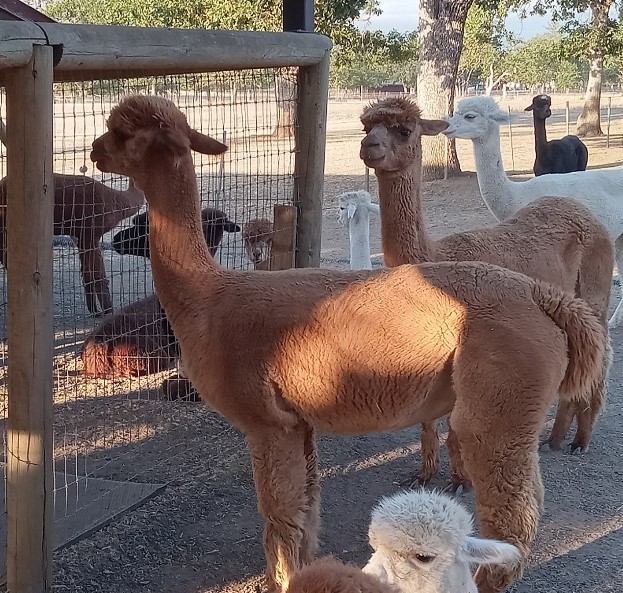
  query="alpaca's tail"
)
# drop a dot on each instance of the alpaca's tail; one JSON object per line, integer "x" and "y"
{"x": 587, "y": 340}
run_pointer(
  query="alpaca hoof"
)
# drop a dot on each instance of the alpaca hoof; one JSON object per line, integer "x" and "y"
{"x": 550, "y": 445}
{"x": 458, "y": 486}
{"x": 576, "y": 449}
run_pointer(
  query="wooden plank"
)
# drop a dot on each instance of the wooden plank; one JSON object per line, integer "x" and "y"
{"x": 84, "y": 505}
{"x": 311, "y": 133}
{"x": 30, "y": 198}
{"x": 283, "y": 247}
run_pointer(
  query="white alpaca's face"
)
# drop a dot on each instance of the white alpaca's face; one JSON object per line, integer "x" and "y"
{"x": 469, "y": 125}
{"x": 422, "y": 572}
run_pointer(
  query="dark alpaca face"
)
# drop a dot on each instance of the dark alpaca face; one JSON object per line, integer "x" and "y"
{"x": 541, "y": 106}
{"x": 135, "y": 239}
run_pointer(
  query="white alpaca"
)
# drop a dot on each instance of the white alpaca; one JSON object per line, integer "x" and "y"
{"x": 600, "y": 190}
{"x": 423, "y": 544}
{"x": 354, "y": 211}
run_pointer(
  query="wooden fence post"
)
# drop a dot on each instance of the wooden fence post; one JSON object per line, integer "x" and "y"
{"x": 310, "y": 141}
{"x": 30, "y": 189}
{"x": 283, "y": 248}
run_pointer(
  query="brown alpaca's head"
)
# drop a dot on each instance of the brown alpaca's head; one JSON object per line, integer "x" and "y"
{"x": 144, "y": 130}
{"x": 394, "y": 128}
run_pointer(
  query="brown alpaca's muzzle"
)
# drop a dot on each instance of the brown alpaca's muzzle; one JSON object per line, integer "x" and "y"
{"x": 99, "y": 154}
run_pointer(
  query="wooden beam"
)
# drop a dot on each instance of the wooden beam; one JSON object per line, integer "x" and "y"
{"x": 311, "y": 134}
{"x": 16, "y": 42}
{"x": 284, "y": 237}
{"x": 30, "y": 199}
{"x": 140, "y": 51}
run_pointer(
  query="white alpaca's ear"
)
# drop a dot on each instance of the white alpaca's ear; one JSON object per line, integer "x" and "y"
{"x": 488, "y": 551}
{"x": 350, "y": 210}
{"x": 501, "y": 117}
{"x": 374, "y": 208}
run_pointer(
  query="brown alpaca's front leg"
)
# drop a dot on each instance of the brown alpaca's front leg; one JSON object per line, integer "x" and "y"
{"x": 280, "y": 471}
{"x": 312, "y": 491}
{"x": 94, "y": 280}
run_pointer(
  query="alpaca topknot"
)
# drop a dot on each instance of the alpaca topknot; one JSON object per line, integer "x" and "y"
{"x": 141, "y": 111}
{"x": 483, "y": 104}
{"x": 419, "y": 519}
{"x": 395, "y": 110}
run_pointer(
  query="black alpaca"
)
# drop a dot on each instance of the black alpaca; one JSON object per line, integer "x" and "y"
{"x": 556, "y": 156}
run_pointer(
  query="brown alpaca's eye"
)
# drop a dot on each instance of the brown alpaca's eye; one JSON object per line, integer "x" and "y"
{"x": 402, "y": 131}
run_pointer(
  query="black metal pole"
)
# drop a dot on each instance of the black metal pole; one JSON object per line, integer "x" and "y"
{"x": 298, "y": 15}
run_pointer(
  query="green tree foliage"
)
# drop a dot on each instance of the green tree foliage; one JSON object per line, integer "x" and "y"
{"x": 543, "y": 61}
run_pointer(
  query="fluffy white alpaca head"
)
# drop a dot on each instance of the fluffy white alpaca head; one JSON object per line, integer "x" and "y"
{"x": 475, "y": 117}
{"x": 422, "y": 544}
{"x": 351, "y": 202}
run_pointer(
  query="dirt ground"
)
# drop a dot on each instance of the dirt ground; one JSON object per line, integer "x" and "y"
{"x": 203, "y": 533}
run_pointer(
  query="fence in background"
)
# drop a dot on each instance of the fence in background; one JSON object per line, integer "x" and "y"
{"x": 64, "y": 430}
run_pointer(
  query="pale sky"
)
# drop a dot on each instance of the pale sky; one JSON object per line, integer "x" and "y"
{"x": 402, "y": 16}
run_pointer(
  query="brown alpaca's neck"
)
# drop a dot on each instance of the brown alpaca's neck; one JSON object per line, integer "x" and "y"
{"x": 403, "y": 232}
{"x": 540, "y": 136}
{"x": 181, "y": 264}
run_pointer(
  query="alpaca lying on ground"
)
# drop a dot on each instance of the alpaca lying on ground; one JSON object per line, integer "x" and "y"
{"x": 556, "y": 156}
{"x": 422, "y": 543}
{"x": 258, "y": 241}
{"x": 138, "y": 339}
{"x": 283, "y": 354}
{"x": 552, "y": 239}
{"x": 134, "y": 340}
{"x": 354, "y": 209}
{"x": 600, "y": 190}
{"x": 135, "y": 239}
{"x": 84, "y": 209}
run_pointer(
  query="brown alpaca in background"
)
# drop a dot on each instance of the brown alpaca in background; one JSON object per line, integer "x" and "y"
{"x": 327, "y": 575}
{"x": 258, "y": 241}
{"x": 84, "y": 209}
{"x": 552, "y": 239}
{"x": 283, "y": 354}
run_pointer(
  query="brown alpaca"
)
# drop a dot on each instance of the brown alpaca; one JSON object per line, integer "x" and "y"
{"x": 258, "y": 240}
{"x": 557, "y": 240}
{"x": 327, "y": 575}
{"x": 282, "y": 355}
{"x": 85, "y": 209}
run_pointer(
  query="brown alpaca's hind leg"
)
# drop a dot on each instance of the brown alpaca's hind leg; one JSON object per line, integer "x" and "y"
{"x": 280, "y": 471}
{"x": 429, "y": 442}
{"x": 94, "y": 280}
{"x": 459, "y": 480}
{"x": 502, "y": 400}
{"x": 312, "y": 491}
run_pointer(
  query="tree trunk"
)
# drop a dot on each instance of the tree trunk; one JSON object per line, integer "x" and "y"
{"x": 589, "y": 122}
{"x": 441, "y": 42}
{"x": 285, "y": 88}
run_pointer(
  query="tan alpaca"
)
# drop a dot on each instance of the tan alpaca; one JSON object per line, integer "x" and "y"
{"x": 327, "y": 575}
{"x": 283, "y": 354}
{"x": 553, "y": 239}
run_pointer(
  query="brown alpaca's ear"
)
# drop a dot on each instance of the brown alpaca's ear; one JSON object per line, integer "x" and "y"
{"x": 432, "y": 127}
{"x": 204, "y": 144}
{"x": 162, "y": 139}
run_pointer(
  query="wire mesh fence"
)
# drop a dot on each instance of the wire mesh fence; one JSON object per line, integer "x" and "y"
{"x": 115, "y": 354}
